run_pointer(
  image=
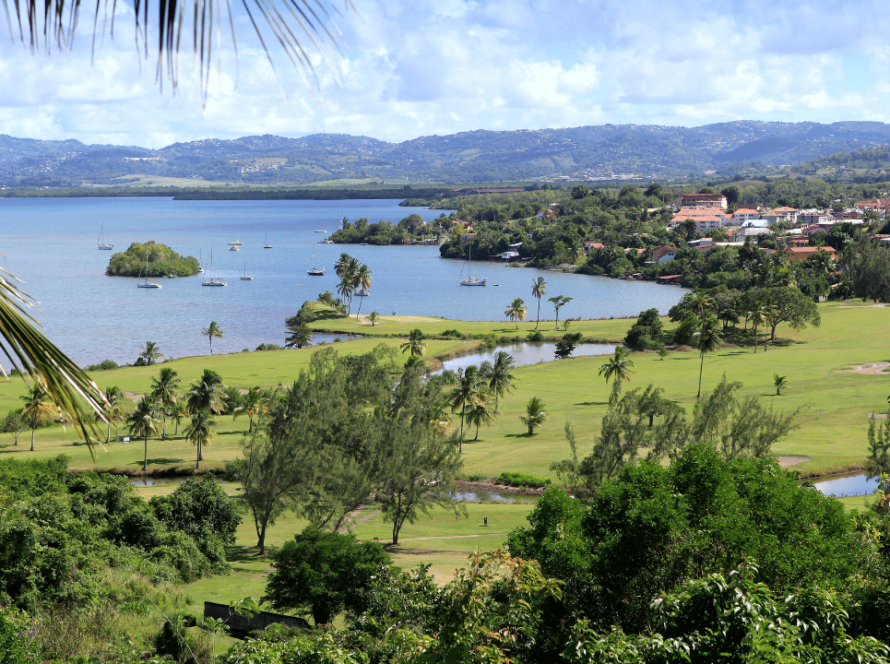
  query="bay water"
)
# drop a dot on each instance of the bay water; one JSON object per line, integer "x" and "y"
{"x": 50, "y": 245}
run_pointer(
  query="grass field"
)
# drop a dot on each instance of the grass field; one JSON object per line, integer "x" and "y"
{"x": 834, "y": 403}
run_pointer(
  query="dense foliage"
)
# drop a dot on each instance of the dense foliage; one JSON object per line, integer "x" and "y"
{"x": 151, "y": 260}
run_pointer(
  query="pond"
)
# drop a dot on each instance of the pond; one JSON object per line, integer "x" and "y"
{"x": 483, "y": 497}
{"x": 842, "y": 486}
{"x": 524, "y": 354}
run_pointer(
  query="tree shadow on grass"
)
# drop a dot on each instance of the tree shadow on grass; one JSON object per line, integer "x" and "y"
{"x": 156, "y": 461}
{"x": 592, "y": 403}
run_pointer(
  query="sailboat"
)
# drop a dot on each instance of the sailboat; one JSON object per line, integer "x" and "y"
{"x": 315, "y": 271}
{"x": 103, "y": 241}
{"x": 246, "y": 277}
{"x": 200, "y": 260}
{"x": 470, "y": 281}
{"x": 147, "y": 283}
{"x": 234, "y": 242}
{"x": 267, "y": 245}
{"x": 213, "y": 282}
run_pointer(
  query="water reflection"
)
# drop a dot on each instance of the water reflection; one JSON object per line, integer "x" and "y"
{"x": 524, "y": 354}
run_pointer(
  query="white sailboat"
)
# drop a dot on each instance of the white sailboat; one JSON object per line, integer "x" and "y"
{"x": 200, "y": 260}
{"x": 246, "y": 277}
{"x": 470, "y": 281}
{"x": 213, "y": 282}
{"x": 267, "y": 245}
{"x": 147, "y": 283}
{"x": 234, "y": 242}
{"x": 103, "y": 242}
{"x": 315, "y": 271}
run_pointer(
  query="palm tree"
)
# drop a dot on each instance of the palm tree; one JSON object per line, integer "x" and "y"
{"x": 200, "y": 433}
{"x": 771, "y": 315}
{"x": 516, "y": 311}
{"x": 207, "y": 393}
{"x": 618, "y": 367}
{"x": 779, "y": 382}
{"x": 345, "y": 289}
{"x": 709, "y": 339}
{"x": 500, "y": 380}
{"x": 150, "y": 353}
{"x": 64, "y": 382}
{"x": 143, "y": 422}
{"x": 362, "y": 281}
{"x": 38, "y": 408}
{"x": 255, "y": 403}
{"x": 757, "y": 319}
{"x": 481, "y": 413}
{"x": 534, "y": 415}
{"x": 415, "y": 345}
{"x": 466, "y": 393}
{"x": 163, "y": 390}
{"x": 117, "y": 407}
{"x": 558, "y": 302}
{"x": 347, "y": 268}
{"x": 211, "y": 332}
{"x": 539, "y": 290}
{"x": 178, "y": 414}
{"x": 373, "y": 317}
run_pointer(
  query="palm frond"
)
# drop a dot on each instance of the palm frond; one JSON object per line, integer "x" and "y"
{"x": 70, "y": 388}
{"x": 292, "y": 23}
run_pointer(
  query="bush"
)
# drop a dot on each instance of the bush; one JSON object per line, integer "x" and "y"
{"x": 103, "y": 366}
{"x": 523, "y": 480}
{"x": 455, "y": 334}
{"x": 536, "y": 336}
{"x": 268, "y": 347}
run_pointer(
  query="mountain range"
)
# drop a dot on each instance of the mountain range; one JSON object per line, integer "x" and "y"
{"x": 601, "y": 152}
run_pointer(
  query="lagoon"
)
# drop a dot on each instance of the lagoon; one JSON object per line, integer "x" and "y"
{"x": 50, "y": 244}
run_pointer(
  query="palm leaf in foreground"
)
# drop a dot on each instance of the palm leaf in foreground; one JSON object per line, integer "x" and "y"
{"x": 70, "y": 388}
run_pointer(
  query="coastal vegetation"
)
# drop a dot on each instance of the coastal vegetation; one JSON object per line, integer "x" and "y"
{"x": 151, "y": 259}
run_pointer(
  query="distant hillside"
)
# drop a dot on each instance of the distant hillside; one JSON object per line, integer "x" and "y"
{"x": 602, "y": 152}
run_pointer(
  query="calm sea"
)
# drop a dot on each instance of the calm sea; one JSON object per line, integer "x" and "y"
{"x": 50, "y": 244}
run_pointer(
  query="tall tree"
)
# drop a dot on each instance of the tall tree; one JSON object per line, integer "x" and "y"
{"x": 143, "y": 422}
{"x": 465, "y": 394}
{"x": 618, "y": 367}
{"x": 362, "y": 282}
{"x": 150, "y": 353}
{"x": 481, "y": 412}
{"x": 539, "y": 290}
{"x": 516, "y": 311}
{"x": 300, "y": 336}
{"x": 200, "y": 433}
{"x": 117, "y": 407}
{"x": 255, "y": 403}
{"x": 415, "y": 347}
{"x": 38, "y": 408}
{"x": 500, "y": 378}
{"x": 559, "y": 301}
{"x": 709, "y": 340}
{"x": 206, "y": 393}
{"x": 163, "y": 390}
{"x": 212, "y": 332}
{"x": 757, "y": 319}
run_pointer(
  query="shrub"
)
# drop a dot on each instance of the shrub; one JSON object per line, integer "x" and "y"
{"x": 523, "y": 480}
{"x": 536, "y": 336}
{"x": 455, "y": 334}
{"x": 104, "y": 365}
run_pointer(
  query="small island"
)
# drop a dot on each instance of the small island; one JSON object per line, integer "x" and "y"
{"x": 150, "y": 259}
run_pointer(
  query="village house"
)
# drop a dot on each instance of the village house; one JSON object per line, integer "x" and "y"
{"x": 797, "y": 254}
{"x": 701, "y": 201}
{"x": 705, "y": 219}
{"x": 664, "y": 254}
{"x": 881, "y": 205}
{"x": 743, "y": 215}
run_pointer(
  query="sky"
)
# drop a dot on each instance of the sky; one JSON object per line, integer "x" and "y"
{"x": 409, "y": 68}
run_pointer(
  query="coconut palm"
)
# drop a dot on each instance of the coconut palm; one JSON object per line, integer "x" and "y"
{"x": 255, "y": 403}
{"x": 779, "y": 382}
{"x": 178, "y": 413}
{"x": 347, "y": 268}
{"x": 212, "y": 331}
{"x": 200, "y": 433}
{"x": 143, "y": 422}
{"x": 38, "y": 408}
{"x": 163, "y": 390}
{"x": 373, "y": 317}
{"x": 709, "y": 339}
{"x": 534, "y": 415}
{"x": 117, "y": 407}
{"x": 757, "y": 319}
{"x": 150, "y": 353}
{"x": 500, "y": 380}
{"x": 362, "y": 281}
{"x": 466, "y": 393}
{"x": 415, "y": 345}
{"x": 516, "y": 311}
{"x": 618, "y": 367}
{"x": 558, "y": 302}
{"x": 481, "y": 412}
{"x": 539, "y": 290}
{"x": 206, "y": 393}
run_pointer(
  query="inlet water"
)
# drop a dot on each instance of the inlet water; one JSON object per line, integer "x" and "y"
{"x": 856, "y": 484}
{"x": 524, "y": 354}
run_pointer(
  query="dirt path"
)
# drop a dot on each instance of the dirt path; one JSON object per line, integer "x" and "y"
{"x": 871, "y": 368}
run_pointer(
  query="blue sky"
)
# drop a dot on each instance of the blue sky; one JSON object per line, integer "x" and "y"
{"x": 421, "y": 67}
